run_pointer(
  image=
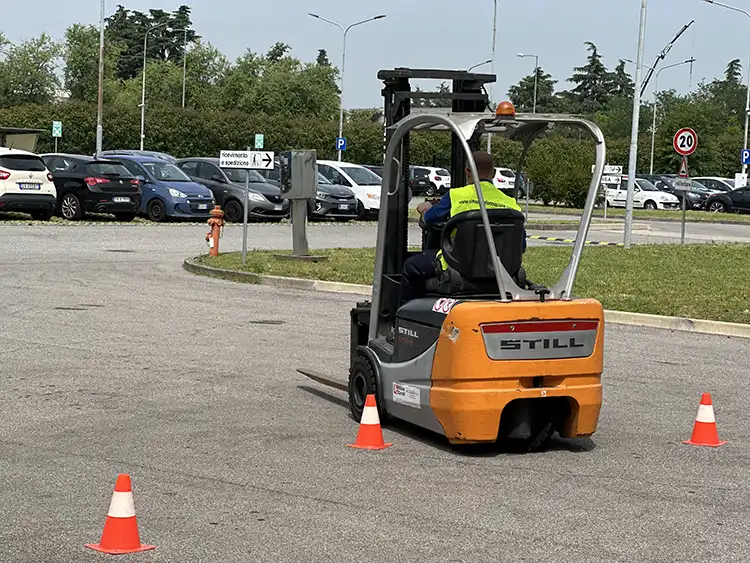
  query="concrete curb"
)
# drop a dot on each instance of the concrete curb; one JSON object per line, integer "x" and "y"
{"x": 573, "y": 226}
{"x": 616, "y": 317}
{"x": 649, "y": 219}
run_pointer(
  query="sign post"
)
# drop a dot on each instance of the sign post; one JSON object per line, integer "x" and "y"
{"x": 56, "y": 131}
{"x": 685, "y": 142}
{"x": 246, "y": 160}
{"x": 612, "y": 175}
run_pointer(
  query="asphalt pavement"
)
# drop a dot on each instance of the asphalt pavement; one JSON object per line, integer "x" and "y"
{"x": 115, "y": 360}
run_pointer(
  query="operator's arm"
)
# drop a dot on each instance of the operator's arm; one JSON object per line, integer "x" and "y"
{"x": 438, "y": 213}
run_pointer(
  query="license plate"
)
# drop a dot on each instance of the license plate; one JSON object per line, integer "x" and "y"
{"x": 30, "y": 186}
{"x": 343, "y": 206}
{"x": 121, "y": 199}
{"x": 202, "y": 206}
{"x": 277, "y": 207}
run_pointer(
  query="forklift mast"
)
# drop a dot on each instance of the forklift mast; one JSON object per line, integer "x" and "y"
{"x": 467, "y": 94}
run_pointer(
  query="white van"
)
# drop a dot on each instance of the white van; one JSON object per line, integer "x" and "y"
{"x": 365, "y": 184}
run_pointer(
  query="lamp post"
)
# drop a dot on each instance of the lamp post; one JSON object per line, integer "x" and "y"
{"x": 536, "y": 74}
{"x": 184, "y": 61}
{"x": 747, "y": 99}
{"x": 343, "y": 63}
{"x": 479, "y": 64}
{"x": 628, "y": 231}
{"x": 100, "y": 96}
{"x": 653, "y": 125}
{"x": 143, "y": 85}
{"x": 492, "y": 68}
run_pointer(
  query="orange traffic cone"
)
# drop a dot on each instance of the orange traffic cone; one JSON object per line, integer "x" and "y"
{"x": 704, "y": 430}
{"x": 120, "y": 533}
{"x": 370, "y": 436}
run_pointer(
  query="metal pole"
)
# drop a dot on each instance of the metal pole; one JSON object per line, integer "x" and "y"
{"x": 143, "y": 89}
{"x": 684, "y": 214}
{"x": 634, "y": 130}
{"x": 653, "y": 124}
{"x": 97, "y": 152}
{"x": 536, "y": 80}
{"x": 244, "y": 219}
{"x": 747, "y": 115}
{"x": 184, "y": 66}
{"x": 100, "y": 96}
{"x": 492, "y": 66}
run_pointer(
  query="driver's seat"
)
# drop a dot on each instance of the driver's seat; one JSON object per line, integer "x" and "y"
{"x": 465, "y": 249}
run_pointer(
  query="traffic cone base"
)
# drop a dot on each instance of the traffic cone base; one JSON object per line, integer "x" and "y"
{"x": 120, "y": 533}
{"x": 370, "y": 435}
{"x": 705, "y": 432}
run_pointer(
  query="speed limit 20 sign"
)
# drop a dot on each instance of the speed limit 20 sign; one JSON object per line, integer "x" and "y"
{"x": 685, "y": 141}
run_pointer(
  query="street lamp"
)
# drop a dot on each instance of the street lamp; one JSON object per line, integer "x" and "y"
{"x": 479, "y": 64}
{"x": 747, "y": 99}
{"x": 492, "y": 68}
{"x": 143, "y": 85}
{"x": 184, "y": 61}
{"x": 536, "y": 74}
{"x": 653, "y": 125}
{"x": 343, "y": 62}
{"x": 100, "y": 99}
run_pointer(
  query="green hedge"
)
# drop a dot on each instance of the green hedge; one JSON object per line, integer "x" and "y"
{"x": 560, "y": 167}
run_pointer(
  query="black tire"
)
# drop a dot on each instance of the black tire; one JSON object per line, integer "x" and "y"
{"x": 361, "y": 211}
{"x": 41, "y": 215}
{"x": 70, "y": 208}
{"x": 431, "y": 191}
{"x": 125, "y": 217}
{"x": 233, "y": 211}
{"x": 649, "y": 205}
{"x": 362, "y": 382}
{"x": 716, "y": 207}
{"x": 156, "y": 210}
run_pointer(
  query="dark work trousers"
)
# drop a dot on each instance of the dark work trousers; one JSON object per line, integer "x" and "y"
{"x": 417, "y": 270}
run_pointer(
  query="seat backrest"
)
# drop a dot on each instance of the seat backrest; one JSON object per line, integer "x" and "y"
{"x": 465, "y": 247}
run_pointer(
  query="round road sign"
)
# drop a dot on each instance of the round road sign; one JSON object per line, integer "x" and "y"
{"x": 685, "y": 141}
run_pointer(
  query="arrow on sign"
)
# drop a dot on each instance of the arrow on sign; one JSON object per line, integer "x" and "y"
{"x": 267, "y": 159}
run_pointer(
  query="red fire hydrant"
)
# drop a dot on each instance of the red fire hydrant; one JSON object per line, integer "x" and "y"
{"x": 216, "y": 224}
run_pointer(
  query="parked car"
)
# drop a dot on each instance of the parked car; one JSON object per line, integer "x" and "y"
{"x": 694, "y": 199}
{"x": 716, "y": 183}
{"x": 440, "y": 179}
{"x": 646, "y": 195}
{"x": 419, "y": 181}
{"x": 365, "y": 184}
{"x": 228, "y": 187}
{"x": 86, "y": 184}
{"x": 152, "y": 154}
{"x": 377, "y": 169}
{"x": 505, "y": 179}
{"x": 166, "y": 191}
{"x": 338, "y": 202}
{"x": 736, "y": 201}
{"x": 26, "y": 184}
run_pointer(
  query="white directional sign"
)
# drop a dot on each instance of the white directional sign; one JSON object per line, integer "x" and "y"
{"x": 682, "y": 184}
{"x": 247, "y": 160}
{"x": 617, "y": 179}
{"x": 609, "y": 169}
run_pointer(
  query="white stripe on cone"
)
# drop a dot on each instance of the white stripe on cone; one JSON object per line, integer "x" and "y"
{"x": 121, "y": 505}
{"x": 370, "y": 416}
{"x": 705, "y": 414}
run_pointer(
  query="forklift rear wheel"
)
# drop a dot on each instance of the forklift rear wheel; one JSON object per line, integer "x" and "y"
{"x": 362, "y": 382}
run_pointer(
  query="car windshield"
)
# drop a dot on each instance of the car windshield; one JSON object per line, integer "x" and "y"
{"x": 28, "y": 163}
{"x": 646, "y": 186}
{"x": 323, "y": 180}
{"x": 237, "y": 175}
{"x": 698, "y": 187}
{"x": 166, "y": 172}
{"x": 362, "y": 176}
{"x": 729, "y": 181}
{"x": 113, "y": 169}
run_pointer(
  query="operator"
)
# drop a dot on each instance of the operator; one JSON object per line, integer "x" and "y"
{"x": 420, "y": 268}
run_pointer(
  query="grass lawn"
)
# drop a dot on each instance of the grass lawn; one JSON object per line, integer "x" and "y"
{"x": 702, "y": 281}
{"x": 654, "y": 215}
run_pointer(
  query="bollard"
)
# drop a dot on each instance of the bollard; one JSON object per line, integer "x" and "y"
{"x": 216, "y": 224}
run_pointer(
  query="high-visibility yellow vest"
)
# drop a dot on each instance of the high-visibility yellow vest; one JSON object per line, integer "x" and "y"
{"x": 465, "y": 199}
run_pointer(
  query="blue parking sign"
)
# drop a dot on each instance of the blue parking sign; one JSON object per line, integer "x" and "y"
{"x": 340, "y": 143}
{"x": 745, "y": 156}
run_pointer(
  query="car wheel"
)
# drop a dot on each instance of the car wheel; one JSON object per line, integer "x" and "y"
{"x": 431, "y": 191}
{"x": 41, "y": 215}
{"x": 233, "y": 211}
{"x": 649, "y": 205}
{"x": 717, "y": 207}
{"x": 361, "y": 211}
{"x": 70, "y": 208}
{"x": 125, "y": 217}
{"x": 156, "y": 210}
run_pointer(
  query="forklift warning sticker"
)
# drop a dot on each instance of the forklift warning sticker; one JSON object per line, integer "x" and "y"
{"x": 443, "y": 305}
{"x": 406, "y": 395}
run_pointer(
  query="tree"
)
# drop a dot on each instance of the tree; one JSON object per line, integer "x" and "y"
{"x": 81, "y": 57}
{"x": 442, "y": 88}
{"x": 592, "y": 91}
{"x": 733, "y": 73}
{"x": 28, "y": 73}
{"x": 277, "y": 52}
{"x": 322, "y": 59}
{"x": 522, "y": 94}
{"x": 621, "y": 85}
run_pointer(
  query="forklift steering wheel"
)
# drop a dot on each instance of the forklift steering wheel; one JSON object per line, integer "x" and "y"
{"x": 436, "y": 227}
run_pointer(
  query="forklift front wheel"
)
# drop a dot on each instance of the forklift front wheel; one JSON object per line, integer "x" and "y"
{"x": 362, "y": 382}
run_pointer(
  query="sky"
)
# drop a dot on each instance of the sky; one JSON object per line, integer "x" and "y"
{"x": 440, "y": 34}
